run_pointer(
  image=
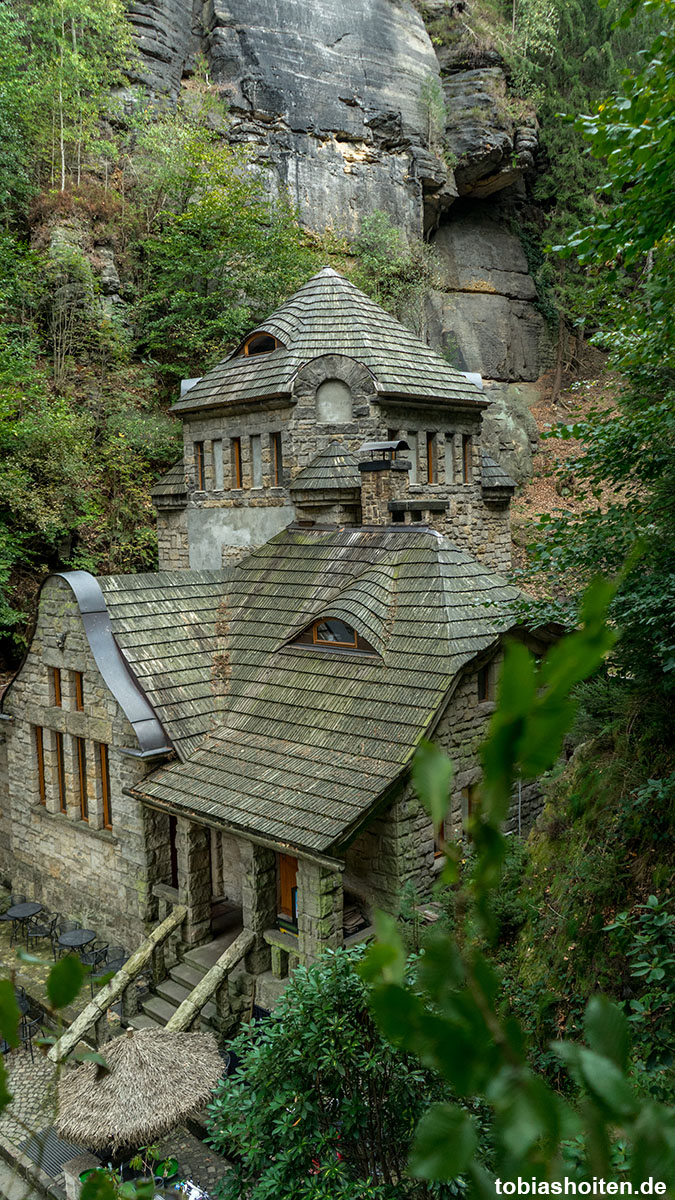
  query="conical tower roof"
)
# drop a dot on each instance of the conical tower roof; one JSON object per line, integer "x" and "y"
{"x": 329, "y": 315}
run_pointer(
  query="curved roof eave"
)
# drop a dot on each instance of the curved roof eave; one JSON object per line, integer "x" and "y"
{"x": 112, "y": 665}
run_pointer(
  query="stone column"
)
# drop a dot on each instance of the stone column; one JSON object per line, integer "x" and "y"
{"x": 258, "y": 901}
{"x": 193, "y": 846}
{"x": 319, "y": 910}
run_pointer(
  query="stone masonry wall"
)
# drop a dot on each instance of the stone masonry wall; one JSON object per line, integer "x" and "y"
{"x": 224, "y": 523}
{"x": 397, "y": 847}
{"x": 76, "y": 867}
{"x": 172, "y": 539}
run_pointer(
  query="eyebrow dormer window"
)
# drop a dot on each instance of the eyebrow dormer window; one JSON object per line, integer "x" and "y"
{"x": 332, "y": 632}
{"x": 260, "y": 343}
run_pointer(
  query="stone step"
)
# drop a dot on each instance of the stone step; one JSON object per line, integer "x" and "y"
{"x": 161, "y": 1009}
{"x": 143, "y": 1021}
{"x": 172, "y": 991}
{"x": 187, "y": 974}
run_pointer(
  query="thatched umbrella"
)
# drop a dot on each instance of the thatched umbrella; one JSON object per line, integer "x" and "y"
{"x": 155, "y": 1079}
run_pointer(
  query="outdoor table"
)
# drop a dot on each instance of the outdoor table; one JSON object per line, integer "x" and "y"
{"x": 76, "y": 939}
{"x": 23, "y": 912}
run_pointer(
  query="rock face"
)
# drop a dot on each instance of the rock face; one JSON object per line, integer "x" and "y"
{"x": 331, "y": 95}
{"x": 339, "y": 103}
{"x": 492, "y": 149}
{"x": 484, "y": 315}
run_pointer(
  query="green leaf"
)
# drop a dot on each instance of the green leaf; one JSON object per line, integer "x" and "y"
{"x": 445, "y": 1142}
{"x": 10, "y": 1015}
{"x": 99, "y": 1185}
{"x": 95, "y": 1057}
{"x": 5, "y": 1094}
{"x": 432, "y": 774}
{"x": 607, "y": 1031}
{"x": 64, "y": 981}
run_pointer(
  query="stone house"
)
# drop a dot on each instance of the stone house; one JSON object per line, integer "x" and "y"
{"x": 236, "y": 730}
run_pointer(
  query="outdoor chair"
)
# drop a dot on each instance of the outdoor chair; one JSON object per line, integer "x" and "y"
{"x": 115, "y": 958}
{"x": 65, "y": 925}
{"x": 13, "y": 899}
{"x": 27, "y": 1031}
{"x": 45, "y": 925}
{"x": 95, "y": 954}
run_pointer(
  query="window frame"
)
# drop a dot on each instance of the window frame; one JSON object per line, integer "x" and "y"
{"x": 277, "y": 459}
{"x": 316, "y": 641}
{"x": 104, "y": 769}
{"x": 237, "y": 475}
{"x": 466, "y": 457}
{"x": 60, "y": 755}
{"x": 254, "y": 337}
{"x": 200, "y": 474}
{"x": 79, "y": 691}
{"x": 40, "y": 758}
{"x": 483, "y": 683}
{"x": 432, "y": 456}
{"x": 81, "y": 760}
{"x": 57, "y": 687}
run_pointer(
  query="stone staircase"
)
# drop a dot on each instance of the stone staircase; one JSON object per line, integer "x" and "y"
{"x": 162, "y": 1003}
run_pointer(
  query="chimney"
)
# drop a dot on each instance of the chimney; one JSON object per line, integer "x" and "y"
{"x": 384, "y": 477}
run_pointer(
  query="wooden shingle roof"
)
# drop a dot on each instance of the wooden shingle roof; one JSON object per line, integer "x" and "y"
{"x": 165, "y": 626}
{"x": 494, "y": 476}
{"x": 307, "y": 739}
{"x": 171, "y": 489}
{"x": 329, "y": 315}
{"x": 334, "y": 468}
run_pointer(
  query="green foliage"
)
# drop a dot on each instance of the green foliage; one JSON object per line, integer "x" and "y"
{"x": 646, "y": 936}
{"x": 395, "y": 272}
{"x": 628, "y": 456}
{"x": 64, "y": 981}
{"x": 451, "y": 1016}
{"x": 321, "y": 1105}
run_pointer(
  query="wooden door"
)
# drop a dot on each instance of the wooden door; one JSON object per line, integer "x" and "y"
{"x": 288, "y": 887}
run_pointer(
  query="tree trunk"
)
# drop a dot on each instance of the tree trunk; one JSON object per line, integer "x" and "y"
{"x": 557, "y": 379}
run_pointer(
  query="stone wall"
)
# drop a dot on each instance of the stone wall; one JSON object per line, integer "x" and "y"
{"x": 225, "y": 523}
{"x": 172, "y": 539}
{"x": 76, "y": 867}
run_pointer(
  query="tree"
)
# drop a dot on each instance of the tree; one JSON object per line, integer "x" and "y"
{"x": 627, "y": 465}
{"x": 450, "y": 1017}
{"x": 321, "y": 1105}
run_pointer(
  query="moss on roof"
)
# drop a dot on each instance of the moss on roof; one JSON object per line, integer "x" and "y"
{"x": 329, "y": 315}
{"x": 308, "y": 739}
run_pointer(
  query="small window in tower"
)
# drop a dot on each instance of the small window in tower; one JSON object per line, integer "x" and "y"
{"x": 260, "y": 343}
{"x": 277, "y": 460}
{"x": 56, "y": 687}
{"x": 256, "y": 461}
{"x": 235, "y": 453}
{"x": 411, "y": 438}
{"x": 449, "y": 458}
{"x": 79, "y": 692}
{"x": 432, "y": 458}
{"x": 466, "y": 458}
{"x": 484, "y": 681}
{"x": 217, "y": 451}
{"x": 200, "y": 482}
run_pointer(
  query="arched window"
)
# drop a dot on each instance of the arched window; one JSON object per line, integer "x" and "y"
{"x": 333, "y": 402}
{"x": 259, "y": 343}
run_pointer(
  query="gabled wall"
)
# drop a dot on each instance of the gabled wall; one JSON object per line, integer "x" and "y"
{"x": 78, "y": 868}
